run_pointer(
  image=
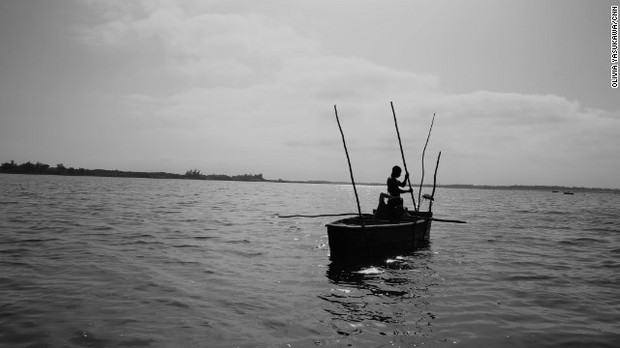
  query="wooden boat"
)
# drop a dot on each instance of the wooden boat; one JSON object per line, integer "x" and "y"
{"x": 367, "y": 237}
{"x": 349, "y": 240}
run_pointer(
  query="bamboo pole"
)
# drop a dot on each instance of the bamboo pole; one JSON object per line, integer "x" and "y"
{"x": 359, "y": 209}
{"x": 402, "y": 153}
{"x": 430, "y": 204}
{"x": 423, "y": 153}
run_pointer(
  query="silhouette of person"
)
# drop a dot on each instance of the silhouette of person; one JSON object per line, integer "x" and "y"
{"x": 394, "y": 186}
{"x": 393, "y": 209}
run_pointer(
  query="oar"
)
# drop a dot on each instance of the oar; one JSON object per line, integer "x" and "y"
{"x": 313, "y": 216}
{"x": 402, "y": 153}
{"x": 451, "y": 221}
{"x": 354, "y": 214}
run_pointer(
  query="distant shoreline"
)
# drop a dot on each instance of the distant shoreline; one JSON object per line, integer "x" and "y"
{"x": 29, "y": 168}
{"x": 39, "y": 168}
{"x": 555, "y": 189}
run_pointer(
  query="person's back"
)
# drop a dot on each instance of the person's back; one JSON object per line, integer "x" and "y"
{"x": 393, "y": 187}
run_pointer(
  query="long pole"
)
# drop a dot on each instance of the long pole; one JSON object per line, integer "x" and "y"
{"x": 423, "y": 153}
{"x": 430, "y": 204}
{"x": 359, "y": 209}
{"x": 402, "y": 153}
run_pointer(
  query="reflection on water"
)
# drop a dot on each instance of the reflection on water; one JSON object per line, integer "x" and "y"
{"x": 390, "y": 298}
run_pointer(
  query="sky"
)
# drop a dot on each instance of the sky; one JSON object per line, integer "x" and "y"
{"x": 520, "y": 90}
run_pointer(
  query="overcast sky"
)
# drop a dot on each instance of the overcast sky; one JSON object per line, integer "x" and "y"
{"x": 521, "y": 89}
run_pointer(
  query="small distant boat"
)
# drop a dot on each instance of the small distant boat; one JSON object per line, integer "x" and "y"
{"x": 349, "y": 240}
{"x": 568, "y": 193}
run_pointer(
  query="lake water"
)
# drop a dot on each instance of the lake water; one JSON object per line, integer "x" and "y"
{"x": 111, "y": 262}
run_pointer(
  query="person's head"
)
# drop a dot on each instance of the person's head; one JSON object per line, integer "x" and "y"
{"x": 396, "y": 171}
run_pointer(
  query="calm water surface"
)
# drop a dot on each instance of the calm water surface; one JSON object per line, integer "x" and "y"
{"x": 103, "y": 262}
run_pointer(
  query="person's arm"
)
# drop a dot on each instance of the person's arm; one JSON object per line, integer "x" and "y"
{"x": 402, "y": 184}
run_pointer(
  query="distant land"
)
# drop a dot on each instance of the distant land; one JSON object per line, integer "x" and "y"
{"x": 39, "y": 168}
{"x": 60, "y": 169}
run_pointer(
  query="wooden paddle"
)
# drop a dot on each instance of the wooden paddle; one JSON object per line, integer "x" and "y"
{"x": 313, "y": 216}
{"x": 355, "y": 214}
{"x": 451, "y": 221}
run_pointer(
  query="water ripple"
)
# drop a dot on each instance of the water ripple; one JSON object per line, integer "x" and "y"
{"x": 148, "y": 263}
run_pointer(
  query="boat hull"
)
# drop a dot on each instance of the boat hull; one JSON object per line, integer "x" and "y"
{"x": 348, "y": 240}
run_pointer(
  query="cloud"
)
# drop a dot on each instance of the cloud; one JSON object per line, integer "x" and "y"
{"x": 548, "y": 122}
{"x": 207, "y": 48}
{"x": 539, "y": 137}
{"x": 251, "y": 88}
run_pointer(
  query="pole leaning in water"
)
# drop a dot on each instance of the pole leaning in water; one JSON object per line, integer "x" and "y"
{"x": 402, "y": 153}
{"x": 359, "y": 209}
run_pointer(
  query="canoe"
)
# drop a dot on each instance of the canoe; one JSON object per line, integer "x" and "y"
{"x": 349, "y": 240}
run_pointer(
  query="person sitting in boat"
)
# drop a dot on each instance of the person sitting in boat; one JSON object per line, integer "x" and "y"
{"x": 394, "y": 186}
{"x": 393, "y": 209}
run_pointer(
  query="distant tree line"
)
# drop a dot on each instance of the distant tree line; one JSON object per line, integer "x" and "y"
{"x": 60, "y": 169}
{"x": 30, "y": 168}
{"x": 195, "y": 174}
{"x": 244, "y": 177}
